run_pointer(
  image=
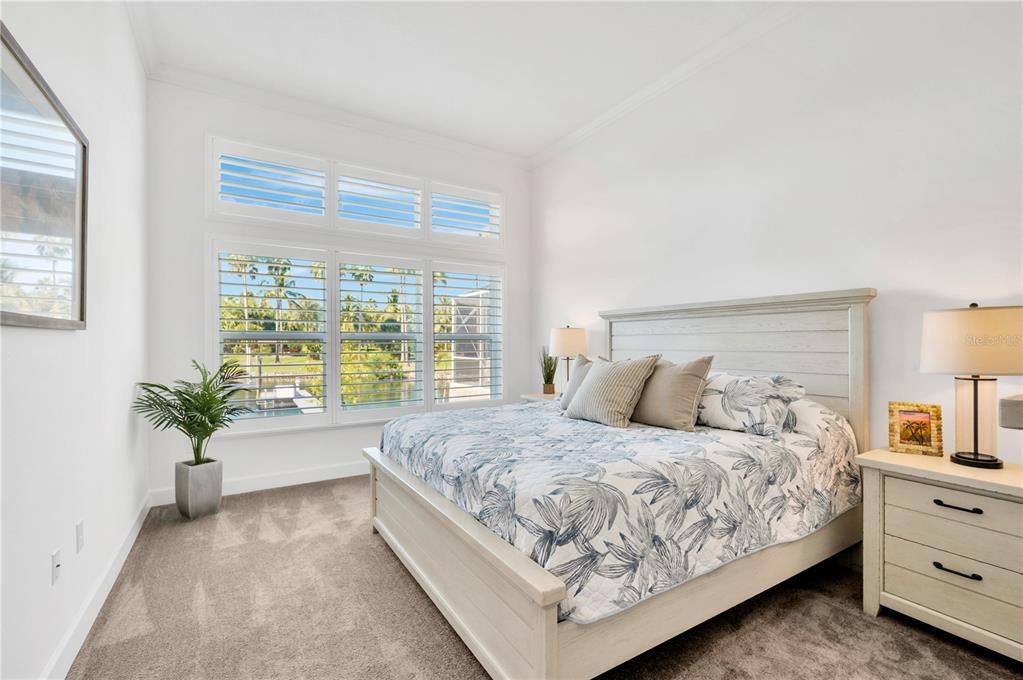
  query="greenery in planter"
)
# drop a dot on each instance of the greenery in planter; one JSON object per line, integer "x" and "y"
{"x": 548, "y": 366}
{"x": 196, "y": 409}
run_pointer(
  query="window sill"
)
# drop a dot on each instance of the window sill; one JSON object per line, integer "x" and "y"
{"x": 296, "y": 429}
{"x": 347, "y": 425}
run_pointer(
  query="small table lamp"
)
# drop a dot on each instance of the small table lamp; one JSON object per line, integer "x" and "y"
{"x": 566, "y": 343}
{"x": 980, "y": 342}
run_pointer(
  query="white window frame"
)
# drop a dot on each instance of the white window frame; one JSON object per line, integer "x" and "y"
{"x": 462, "y": 267}
{"x": 271, "y": 249}
{"x": 331, "y": 222}
{"x": 458, "y": 240}
{"x": 357, "y": 416}
{"x": 375, "y": 228}
{"x": 332, "y": 256}
{"x": 216, "y": 207}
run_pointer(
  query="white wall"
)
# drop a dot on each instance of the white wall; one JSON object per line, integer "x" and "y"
{"x": 180, "y": 118}
{"x": 71, "y": 448}
{"x": 854, "y": 145}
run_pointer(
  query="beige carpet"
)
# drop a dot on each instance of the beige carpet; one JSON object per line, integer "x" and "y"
{"x": 291, "y": 583}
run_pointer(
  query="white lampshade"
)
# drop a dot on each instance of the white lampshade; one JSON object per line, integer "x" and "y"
{"x": 974, "y": 341}
{"x": 567, "y": 342}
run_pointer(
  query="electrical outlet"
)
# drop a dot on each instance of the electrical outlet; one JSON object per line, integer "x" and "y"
{"x": 54, "y": 567}
{"x": 79, "y": 536}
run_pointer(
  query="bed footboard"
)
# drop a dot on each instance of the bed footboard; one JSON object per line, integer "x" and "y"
{"x": 502, "y": 604}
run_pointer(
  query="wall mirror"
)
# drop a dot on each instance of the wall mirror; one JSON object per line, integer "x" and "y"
{"x": 43, "y": 167}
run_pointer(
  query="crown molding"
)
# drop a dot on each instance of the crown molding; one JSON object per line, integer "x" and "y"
{"x": 278, "y": 101}
{"x": 738, "y": 38}
{"x": 140, "y": 19}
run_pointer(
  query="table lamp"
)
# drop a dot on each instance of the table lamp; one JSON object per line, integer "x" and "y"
{"x": 566, "y": 343}
{"x": 980, "y": 342}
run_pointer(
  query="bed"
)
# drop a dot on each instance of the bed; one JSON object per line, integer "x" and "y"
{"x": 446, "y": 514}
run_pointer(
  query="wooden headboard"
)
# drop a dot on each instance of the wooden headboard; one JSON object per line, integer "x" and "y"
{"x": 818, "y": 339}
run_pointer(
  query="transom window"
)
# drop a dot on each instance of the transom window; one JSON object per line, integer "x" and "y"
{"x": 250, "y": 181}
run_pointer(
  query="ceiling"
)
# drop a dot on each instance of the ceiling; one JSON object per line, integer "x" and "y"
{"x": 514, "y": 77}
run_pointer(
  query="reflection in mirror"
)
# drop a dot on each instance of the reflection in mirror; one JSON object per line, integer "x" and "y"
{"x": 41, "y": 168}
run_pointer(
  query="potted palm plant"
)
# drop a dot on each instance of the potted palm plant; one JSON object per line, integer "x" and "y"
{"x": 548, "y": 369}
{"x": 197, "y": 410}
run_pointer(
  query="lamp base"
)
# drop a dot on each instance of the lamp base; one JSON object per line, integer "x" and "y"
{"x": 977, "y": 460}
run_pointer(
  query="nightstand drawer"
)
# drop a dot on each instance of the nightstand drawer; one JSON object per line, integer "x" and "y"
{"x": 984, "y": 612}
{"x": 995, "y": 582}
{"x": 959, "y": 506}
{"x": 993, "y": 547}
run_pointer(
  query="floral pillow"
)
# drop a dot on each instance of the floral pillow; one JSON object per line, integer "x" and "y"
{"x": 754, "y": 404}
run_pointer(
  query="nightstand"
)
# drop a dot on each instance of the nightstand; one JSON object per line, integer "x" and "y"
{"x": 539, "y": 396}
{"x": 943, "y": 543}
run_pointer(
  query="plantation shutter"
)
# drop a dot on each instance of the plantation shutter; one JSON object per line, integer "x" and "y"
{"x": 252, "y": 181}
{"x": 381, "y": 335}
{"x": 370, "y": 198}
{"x": 272, "y": 185}
{"x": 273, "y": 323}
{"x": 465, "y": 214}
{"x": 467, "y": 328}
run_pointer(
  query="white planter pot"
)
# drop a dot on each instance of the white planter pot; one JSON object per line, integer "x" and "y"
{"x": 198, "y": 488}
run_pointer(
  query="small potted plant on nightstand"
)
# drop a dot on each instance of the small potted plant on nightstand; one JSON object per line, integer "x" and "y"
{"x": 197, "y": 410}
{"x": 548, "y": 369}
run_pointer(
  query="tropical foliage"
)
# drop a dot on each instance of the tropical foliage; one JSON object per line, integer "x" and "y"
{"x": 623, "y": 514}
{"x": 196, "y": 409}
{"x": 273, "y": 323}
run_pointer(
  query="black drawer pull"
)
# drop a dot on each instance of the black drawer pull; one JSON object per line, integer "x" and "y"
{"x": 972, "y": 577}
{"x": 975, "y": 511}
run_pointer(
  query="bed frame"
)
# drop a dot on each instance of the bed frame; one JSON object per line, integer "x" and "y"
{"x": 504, "y": 605}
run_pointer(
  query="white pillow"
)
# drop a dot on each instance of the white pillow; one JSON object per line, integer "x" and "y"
{"x": 582, "y": 367}
{"x": 755, "y": 404}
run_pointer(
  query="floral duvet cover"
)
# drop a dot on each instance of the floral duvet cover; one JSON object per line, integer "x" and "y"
{"x": 623, "y": 514}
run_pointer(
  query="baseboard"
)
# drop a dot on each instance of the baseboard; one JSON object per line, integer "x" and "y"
{"x": 274, "y": 480}
{"x": 69, "y": 647}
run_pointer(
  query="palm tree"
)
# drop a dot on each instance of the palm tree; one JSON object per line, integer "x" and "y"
{"x": 279, "y": 270}
{"x": 56, "y": 252}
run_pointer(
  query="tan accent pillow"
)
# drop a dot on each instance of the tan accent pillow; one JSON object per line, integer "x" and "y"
{"x": 610, "y": 390}
{"x": 671, "y": 396}
{"x": 582, "y": 367}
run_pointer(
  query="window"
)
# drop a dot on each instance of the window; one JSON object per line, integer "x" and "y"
{"x": 273, "y": 322}
{"x": 356, "y": 348}
{"x": 380, "y": 310}
{"x": 465, "y": 214}
{"x": 367, "y": 198}
{"x": 271, "y": 185}
{"x": 328, "y": 336}
{"x": 466, "y": 336}
{"x": 255, "y": 182}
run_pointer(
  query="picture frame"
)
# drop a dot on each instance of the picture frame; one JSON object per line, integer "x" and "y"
{"x": 915, "y": 428}
{"x": 44, "y": 184}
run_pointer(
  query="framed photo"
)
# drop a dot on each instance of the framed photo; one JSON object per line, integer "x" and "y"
{"x": 43, "y": 198}
{"x": 914, "y": 428}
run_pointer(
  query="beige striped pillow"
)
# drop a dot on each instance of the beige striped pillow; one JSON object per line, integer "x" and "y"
{"x": 610, "y": 391}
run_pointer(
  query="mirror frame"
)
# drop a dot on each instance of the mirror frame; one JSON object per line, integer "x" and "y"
{"x": 32, "y": 320}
